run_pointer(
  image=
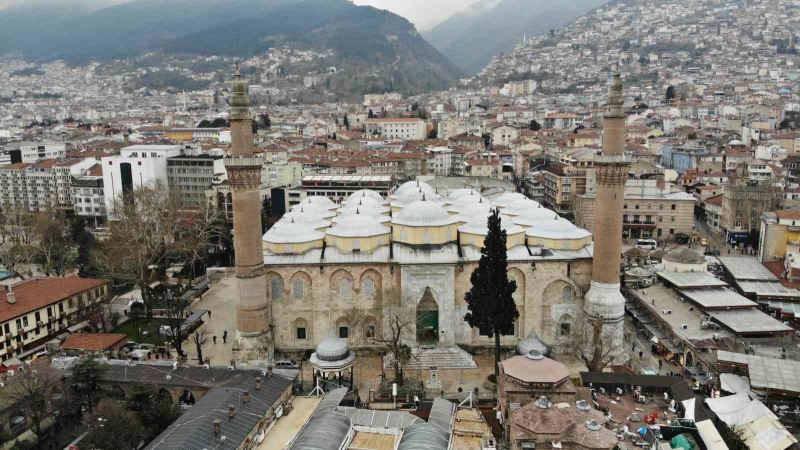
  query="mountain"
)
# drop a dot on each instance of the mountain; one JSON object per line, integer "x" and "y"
{"x": 369, "y": 43}
{"x": 491, "y": 27}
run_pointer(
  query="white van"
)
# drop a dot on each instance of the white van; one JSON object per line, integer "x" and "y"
{"x": 647, "y": 244}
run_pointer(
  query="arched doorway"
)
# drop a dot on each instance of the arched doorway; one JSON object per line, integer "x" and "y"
{"x": 427, "y": 319}
{"x": 689, "y": 359}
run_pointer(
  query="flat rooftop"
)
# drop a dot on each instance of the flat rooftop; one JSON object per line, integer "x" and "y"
{"x": 765, "y": 372}
{"x": 785, "y": 307}
{"x": 746, "y": 268}
{"x": 363, "y": 440}
{"x": 691, "y": 279}
{"x": 717, "y": 298}
{"x": 749, "y": 321}
{"x": 287, "y": 427}
{"x": 768, "y": 289}
{"x": 663, "y": 302}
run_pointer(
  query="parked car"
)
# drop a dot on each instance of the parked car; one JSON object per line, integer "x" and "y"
{"x": 286, "y": 364}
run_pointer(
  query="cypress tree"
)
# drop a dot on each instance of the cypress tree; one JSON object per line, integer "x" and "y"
{"x": 490, "y": 300}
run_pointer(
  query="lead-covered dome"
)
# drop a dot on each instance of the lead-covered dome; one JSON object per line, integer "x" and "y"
{"x": 291, "y": 233}
{"x": 423, "y": 213}
{"x": 520, "y": 207}
{"x": 505, "y": 199}
{"x": 332, "y": 353}
{"x": 475, "y": 230}
{"x": 413, "y": 186}
{"x": 468, "y": 212}
{"x": 364, "y": 205}
{"x": 365, "y": 194}
{"x": 358, "y": 225}
{"x": 319, "y": 211}
{"x": 558, "y": 234}
{"x": 311, "y": 220}
{"x": 321, "y": 201}
{"x": 534, "y": 216}
{"x": 532, "y": 343}
{"x": 465, "y": 201}
{"x": 455, "y": 194}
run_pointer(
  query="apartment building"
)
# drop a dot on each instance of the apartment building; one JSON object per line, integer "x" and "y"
{"x": 41, "y": 186}
{"x": 562, "y": 183}
{"x": 32, "y": 152}
{"x": 650, "y": 210}
{"x": 35, "y": 311}
{"x": 87, "y": 195}
{"x": 404, "y": 129}
{"x": 742, "y": 207}
{"x": 189, "y": 176}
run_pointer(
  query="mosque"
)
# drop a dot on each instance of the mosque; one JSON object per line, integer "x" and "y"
{"x": 331, "y": 267}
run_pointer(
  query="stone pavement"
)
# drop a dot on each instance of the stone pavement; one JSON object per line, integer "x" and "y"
{"x": 221, "y": 301}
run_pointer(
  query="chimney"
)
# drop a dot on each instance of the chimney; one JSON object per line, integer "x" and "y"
{"x": 231, "y": 411}
{"x": 246, "y": 397}
{"x": 258, "y": 383}
{"x": 11, "y": 297}
{"x": 217, "y": 426}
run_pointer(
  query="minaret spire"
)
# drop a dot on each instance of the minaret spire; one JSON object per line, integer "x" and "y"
{"x": 604, "y": 302}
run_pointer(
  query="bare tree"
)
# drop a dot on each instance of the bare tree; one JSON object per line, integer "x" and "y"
{"x": 176, "y": 310}
{"x": 199, "y": 341}
{"x": 399, "y": 321}
{"x": 58, "y": 253}
{"x": 149, "y": 230}
{"x": 355, "y": 318}
{"x": 596, "y": 346}
{"x": 33, "y": 394}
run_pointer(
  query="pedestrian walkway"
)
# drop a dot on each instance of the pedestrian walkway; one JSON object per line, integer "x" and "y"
{"x": 222, "y": 318}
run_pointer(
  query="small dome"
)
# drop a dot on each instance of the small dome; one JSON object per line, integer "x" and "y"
{"x": 557, "y": 228}
{"x": 364, "y": 194}
{"x": 332, "y": 349}
{"x": 534, "y": 216}
{"x": 532, "y": 343}
{"x": 684, "y": 256}
{"x": 469, "y": 212}
{"x": 520, "y": 207}
{"x": 413, "y": 186}
{"x": 735, "y": 142}
{"x": 505, "y": 199}
{"x": 358, "y": 225}
{"x": 480, "y": 225}
{"x": 292, "y": 233}
{"x": 364, "y": 205}
{"x": 455, "y": 194}
{"x": 319, "y": 200}
{"x": 310, "y": 220}
{"x": 410, "y": 196}
{"x": 374, "y": 214}
{"x": 466, "y": 200}
{"x": 424, "y": 214}
{"x": 314, "y": 210}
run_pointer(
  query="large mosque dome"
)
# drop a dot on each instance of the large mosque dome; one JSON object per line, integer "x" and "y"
{"x": 534, "y": 216}
{"x": 505, "y": 199}
{"x": 318, "y": 200}
{"x": 558, "y": 234}
{"x": 365, "y": 194}
{"x": 358, "y": 232}
{"x": 292, "y": 238}
{"x": 519, "y": 207}
{"x": 311, "y": 220}
{"x": 317, "y": 210}
{"x": 424, "y": 222}
{"x": 475, "y": 231}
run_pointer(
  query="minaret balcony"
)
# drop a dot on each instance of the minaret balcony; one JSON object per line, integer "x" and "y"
{"x": 612, "y": 160}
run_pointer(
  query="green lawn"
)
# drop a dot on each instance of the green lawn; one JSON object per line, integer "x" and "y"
{"x": 148, "y": 334}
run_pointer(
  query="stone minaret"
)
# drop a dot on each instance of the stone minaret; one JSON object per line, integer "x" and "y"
{"x": 253, "y": 315}
{"x": 604, "y": 300}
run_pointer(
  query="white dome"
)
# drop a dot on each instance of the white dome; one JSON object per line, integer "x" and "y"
{"x": 735, "y": 142}
{"x": 414, "y": 186}
{"x": 508, "y": 197}
{"x": 409, "y": 196}
{"x": 311, "y": 220}
{"x": 520, "y": 207}
{"x": 313, "y": 210}
{"x": 363, "y": 201}
{"x": 318, "y": 200}
{"x": 358, "y": 225}
{"x": 455, "y": 194}
{"x": 534, "y": 216}
{"x": 292, "y": 233}
{"x": 480, "y": 225}
{"x": 424, "y": 214}
{"x": 364, "y": 204}
{"x": 468, "y": 212}
{"x": 376, "y": 215}
{"x": 364, "y": 194}
{"x": 466, "y": 200}
{"x": 332, "y": 349}
{"x": 557, "y": 228}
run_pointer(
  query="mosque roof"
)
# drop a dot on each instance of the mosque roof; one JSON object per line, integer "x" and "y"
{"x": 504, "y": 199}
{"x": 532, "y": 343}
{"x": 533, "y": 367}
{"x": 519, "y": 207}
{"x": 313, "y": 209}
{"x": 364, "y": 194}
{"x": 423, "y": 213}
{"x": 480, "y": 225}
{"x": 292, "y": 233}
{"x": 319, "y": 200}
{"x": 557, "y": 228}
{"x": 358, "y": 225}
{"x": 367, "y": 204}
{"x": 455, "y": 194}
{"x": 534, "y": 216}
{"x": 684, "y": 256}
{"x": 313, "y": 221}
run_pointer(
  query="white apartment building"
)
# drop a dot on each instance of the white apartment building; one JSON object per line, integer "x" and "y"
{"x": 441, "y": 163}
{"x": 135, "y": 167}
{"x": 397, "y": 129}
{"x": 32, "y": 152}
{"x": 44, "y": 186}
{"x": 87, "y": 195}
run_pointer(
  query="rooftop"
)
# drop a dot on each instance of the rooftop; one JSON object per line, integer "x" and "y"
{"x": 749, "y": 321}
{"x": 37, "y": 293}
{"x": 93, "y": 341}
{"x": 717, "y": 298}
{"x": 691, "y": 279}
{"x": 746, "y": 268}
{"x": 765, "y": 372}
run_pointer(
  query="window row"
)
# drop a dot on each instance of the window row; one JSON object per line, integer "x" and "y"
{"x": 344, "y": 289}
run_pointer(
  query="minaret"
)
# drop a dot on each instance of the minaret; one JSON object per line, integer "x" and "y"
{"x": 604, "y": 299}
{"x": 253, "y": 315}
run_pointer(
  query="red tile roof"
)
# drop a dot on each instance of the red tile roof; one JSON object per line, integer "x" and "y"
{"x": 94, "y": 341}
{"x": 788, "y": 214}
{"x": 37, "y": 293}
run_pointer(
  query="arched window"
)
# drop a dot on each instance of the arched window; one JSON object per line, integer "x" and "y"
{"x": 567, "y": 293}
{"x": 368, "y": 288}
{"x": 300, "y": 329}
{"x": 276, "y": 288}
{"x": 298, "y": 288}
{"x": 346, "y": 288}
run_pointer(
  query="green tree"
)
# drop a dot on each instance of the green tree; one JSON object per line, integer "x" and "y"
{"x": 371, "y": 114}
{"x": 156, "y": 412}
{"x": 113, "y": 427}
{"x": 346, "y": 122}
{"x": 534, "y": 125}
{"x": 670, "y": 94}
{"x": 490, "y": 300}
{"x": 86, "y": 373}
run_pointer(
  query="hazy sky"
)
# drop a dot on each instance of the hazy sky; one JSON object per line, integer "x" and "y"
{"x": 422, "y": 13}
